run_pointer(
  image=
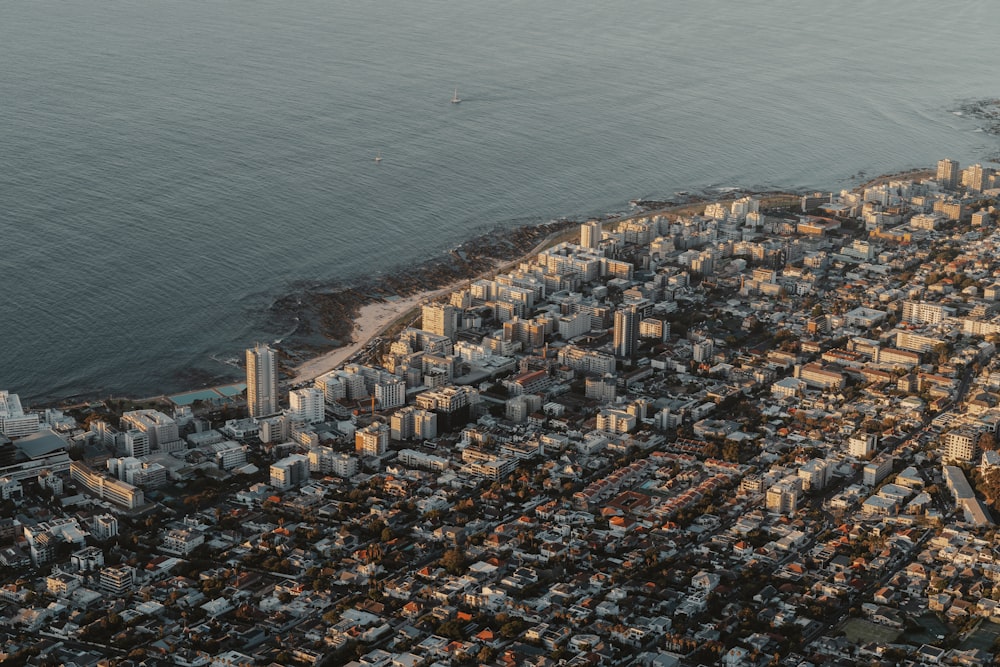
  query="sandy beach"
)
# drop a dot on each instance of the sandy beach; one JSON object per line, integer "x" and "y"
{"x": 371, "y": 321}
{"x": 374, "y": 318}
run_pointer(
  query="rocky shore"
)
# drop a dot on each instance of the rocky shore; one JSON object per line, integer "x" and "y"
{"x": 322, "y": 316}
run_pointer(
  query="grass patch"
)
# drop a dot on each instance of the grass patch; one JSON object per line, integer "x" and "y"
{"x": 932, "y": 628}
{"x": 982, "y": 637}
{"x": 860, "y": 631}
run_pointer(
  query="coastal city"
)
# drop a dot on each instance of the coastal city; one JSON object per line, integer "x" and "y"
{"x": 745, "y": 432}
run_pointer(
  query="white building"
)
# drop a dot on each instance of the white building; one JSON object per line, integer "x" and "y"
{"x": 390, "y": 393}
{"x": 307, "y": 404}
{"x": 159, "y": 428}
{"x": 144, "y": 474}
{"x": 783, "y": 497}
{"x": 87, "y": 559}
{"x": 11, "y": 489}
{"x": 326, "y": 461}
{"x": 877, "y": 470}
{"x": 182, "y": 541}
{"x": 815, "y": 474}
{"x": 118, "y": 580}
{"x": 960, "y": 444}
{"x": 591, "y": 234}
{"x": 862, "y": 445}
{"x": 414, "y": 459}
{"x": 136, "y": 442}
{"x": 289, "y": 471}
{"x": 332, "y": 386}
{"x": 104, "y": 526}
{"x": 920, "y": 312}
{"x": 229, "y": 454}
{"x": 13, "y": 422}
{"x": 615, "y": 421}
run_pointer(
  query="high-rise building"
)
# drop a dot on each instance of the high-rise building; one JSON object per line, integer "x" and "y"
{"x": 862, "y": 445}
{"x": 702, "y": 350}
{"x": 590, "y": 234}
{"x": 783, "y": 497}
{"x": 372, "y": 440}
{"x": 390, "y": 393}
{"x": 262, "y": 381}
{"x": 947, "y": 173}
{"x": 626, "y": 331}
{"x": 960, "y": 445}
{"x": 307, "y": 404}
{"x": 289, "y": 471}
{"x": 136, "y": 443}
{"x": 439, "y": 319}
{"x": 104, "y": 526}
{"x": 976, "y": 177}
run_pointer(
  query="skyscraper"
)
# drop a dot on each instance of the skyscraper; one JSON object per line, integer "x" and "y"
{"x": 262, "y": 381}
{"x": 976, "y": 177}
{"x": 947, "y": 173}
{"x": 590, "y": 234}
{"x": 626, "y": 331}
{"x": 439, "y": 318}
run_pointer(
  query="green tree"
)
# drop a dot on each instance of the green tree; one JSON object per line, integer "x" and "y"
{"x": 512, "y": 628}
{"x": 987, "y": 441}
{"x": 453, "y": 561}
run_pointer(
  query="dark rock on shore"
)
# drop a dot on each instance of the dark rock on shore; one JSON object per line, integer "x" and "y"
{"x": 323, "y": 314}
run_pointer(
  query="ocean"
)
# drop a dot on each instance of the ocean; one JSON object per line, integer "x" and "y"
{"x": 169, "y": 169}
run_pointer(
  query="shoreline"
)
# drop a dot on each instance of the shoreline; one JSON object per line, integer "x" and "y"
{"x": 372, "y": 320}
{"x": 354, "y": 314}
{"x": 361, "y": 311}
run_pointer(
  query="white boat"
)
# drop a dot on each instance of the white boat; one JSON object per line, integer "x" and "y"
{"x": 455, "y": 99}
{"x": 378, "y": 156}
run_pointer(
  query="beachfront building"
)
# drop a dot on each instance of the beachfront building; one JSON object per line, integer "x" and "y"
{"x": 13, "y": 422}
{"x": 439, "y": 319}
{"x": 976, "y": 177}
{"x": 262, "y": 381}
{"x": 591, "y": 234}
{"x": 307, "y": 404}
{"x": 947, "y": 173}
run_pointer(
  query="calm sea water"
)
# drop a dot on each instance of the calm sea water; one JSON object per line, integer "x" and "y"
{"x": 167, "y": 168}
